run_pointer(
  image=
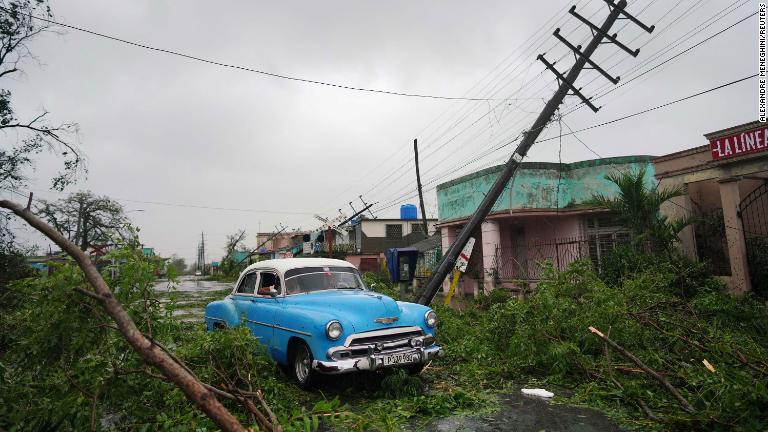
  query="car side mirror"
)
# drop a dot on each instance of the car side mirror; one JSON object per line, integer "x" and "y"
{"x": 267, "y": 291}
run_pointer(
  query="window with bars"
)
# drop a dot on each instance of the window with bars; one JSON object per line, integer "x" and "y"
{"x": 394, "y": 231}
{"x": 417, "y": 228}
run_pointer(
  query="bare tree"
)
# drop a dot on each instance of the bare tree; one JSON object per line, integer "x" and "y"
{"x": 234, "y": 241}
{"x": 87, "y": 219}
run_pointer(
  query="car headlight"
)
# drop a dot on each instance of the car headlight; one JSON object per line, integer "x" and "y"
{"x": 333, "y": 330}
{"x": 430, "y": 318}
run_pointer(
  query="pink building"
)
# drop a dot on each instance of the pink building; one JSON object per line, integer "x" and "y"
{"x": 544, "y": 217}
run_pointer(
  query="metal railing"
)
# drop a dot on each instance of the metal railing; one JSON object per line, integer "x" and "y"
{"x": 523, "y": 261}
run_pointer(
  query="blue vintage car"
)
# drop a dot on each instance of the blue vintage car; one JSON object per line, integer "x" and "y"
{"x": 317, "y": 316}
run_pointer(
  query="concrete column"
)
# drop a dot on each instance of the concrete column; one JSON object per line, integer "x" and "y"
{"x": 734, "y": 233}
{"x": 679, "y": 208}
{"x": 491, "y": 238}
{"x": 448, "y": 236}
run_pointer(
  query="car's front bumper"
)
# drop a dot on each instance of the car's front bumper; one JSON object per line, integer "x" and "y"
{"x": 375, "y": 361}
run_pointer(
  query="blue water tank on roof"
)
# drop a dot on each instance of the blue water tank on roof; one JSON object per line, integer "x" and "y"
{"x": 408, "y": 211}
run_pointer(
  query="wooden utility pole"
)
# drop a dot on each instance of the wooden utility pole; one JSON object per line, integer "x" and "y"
{"x": 566, "y": 87}
{"x": 418, "y": 185}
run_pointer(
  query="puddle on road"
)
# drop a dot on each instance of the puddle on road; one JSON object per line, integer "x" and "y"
{"x": 526, "y": 413}
{"x": 191, "y": 291}
{"x": 193, "y": 284}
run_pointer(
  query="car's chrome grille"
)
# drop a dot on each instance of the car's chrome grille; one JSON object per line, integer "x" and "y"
{"x": 381, "y": 341}
{"x": 383, "y": 336}
{"x": 371, "y": 340}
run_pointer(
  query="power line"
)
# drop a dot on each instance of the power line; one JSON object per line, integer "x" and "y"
{"x": 654, "y": 108}
{"x": 685, "y": 51}
{"x": 392, "y": 203}
{"x": 647, "y": 71}
{"x": 521, "y": 119}
{"x": 183, "y": 205}
{"x": 490, "y": 88}
{"x": 249, "y": 69}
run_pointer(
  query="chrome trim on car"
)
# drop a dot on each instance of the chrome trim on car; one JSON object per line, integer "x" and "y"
{"x": 374, "y": 362}
{"x": 275, "y": 326}
{"x": 384, "y": 332}
{"x": 214, "y": 319}
{"x": 379, "y": 348}
{"x": 386, "y": 320}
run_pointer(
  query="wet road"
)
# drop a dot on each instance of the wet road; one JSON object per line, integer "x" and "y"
{"x": 193, "y": 284}
{"x": 193, "y": 294}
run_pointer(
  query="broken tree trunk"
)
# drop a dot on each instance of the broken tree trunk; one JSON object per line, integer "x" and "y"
{"x": 149, "y": 352}
{"x": 683, "y": 402}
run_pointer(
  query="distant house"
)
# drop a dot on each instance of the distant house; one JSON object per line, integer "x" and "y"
{"x": 371, "y": 237}
{"x": 240, "y": 256}
{"x": 42, "y": 264}
{"x": 275, "y": 242}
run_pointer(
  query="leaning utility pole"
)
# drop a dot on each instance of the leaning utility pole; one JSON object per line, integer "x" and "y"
{"x": 566, "y": 85}
{"x": 418, "y": 185}
{"x": 275, "y": 234}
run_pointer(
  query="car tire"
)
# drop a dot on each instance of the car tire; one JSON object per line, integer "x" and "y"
{"x": 301, "y": 366}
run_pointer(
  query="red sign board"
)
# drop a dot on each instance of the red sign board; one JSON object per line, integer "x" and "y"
{"x": 751, "y": 141}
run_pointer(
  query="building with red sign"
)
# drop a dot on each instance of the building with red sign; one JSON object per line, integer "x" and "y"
{"x": 726, "y": 192}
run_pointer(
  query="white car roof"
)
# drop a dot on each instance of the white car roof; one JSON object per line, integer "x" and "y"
{"x": 285, "y": 264}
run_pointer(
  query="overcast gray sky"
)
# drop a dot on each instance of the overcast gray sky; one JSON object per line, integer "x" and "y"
{"x": 165, "y": 129}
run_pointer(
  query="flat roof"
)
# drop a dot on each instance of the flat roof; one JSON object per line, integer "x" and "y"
{"x": 554, "y": 166}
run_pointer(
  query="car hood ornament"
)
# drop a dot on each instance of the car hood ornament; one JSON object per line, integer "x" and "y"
{"x": 386, "y": 320}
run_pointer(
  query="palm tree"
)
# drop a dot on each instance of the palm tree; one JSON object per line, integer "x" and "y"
{"x": 637, "y": 207}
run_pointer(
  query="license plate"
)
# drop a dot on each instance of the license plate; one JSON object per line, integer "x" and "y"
{"x": 401, "y": 358}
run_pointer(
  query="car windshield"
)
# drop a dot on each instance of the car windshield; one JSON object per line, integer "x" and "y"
{"x": 310, "y": 279}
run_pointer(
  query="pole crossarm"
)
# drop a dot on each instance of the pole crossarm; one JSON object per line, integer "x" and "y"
{"x": 626, "y": 15}
{"x": 564, "y": 81}
{"x": 605, "y": 34}
{"x": 577, "y": 50}
{"x": 529, "y": 137}
{"x": 357, "y": 213}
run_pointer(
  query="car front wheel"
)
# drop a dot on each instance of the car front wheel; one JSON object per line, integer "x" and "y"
{"x": 301, "y": 362}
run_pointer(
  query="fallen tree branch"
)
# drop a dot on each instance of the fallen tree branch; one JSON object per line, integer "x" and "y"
{"x": 261, "y": 419}
{"x": 683, "y": 402}
{"x": 149, "y": 352}
{"x": 272, "y": 416}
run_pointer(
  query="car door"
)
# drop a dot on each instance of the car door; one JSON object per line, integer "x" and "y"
{"x": 246, "y": 290}
{"x": 260, "y": 316}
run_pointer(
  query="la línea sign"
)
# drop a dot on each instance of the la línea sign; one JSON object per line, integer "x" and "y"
{"x": 751, "y": 141}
